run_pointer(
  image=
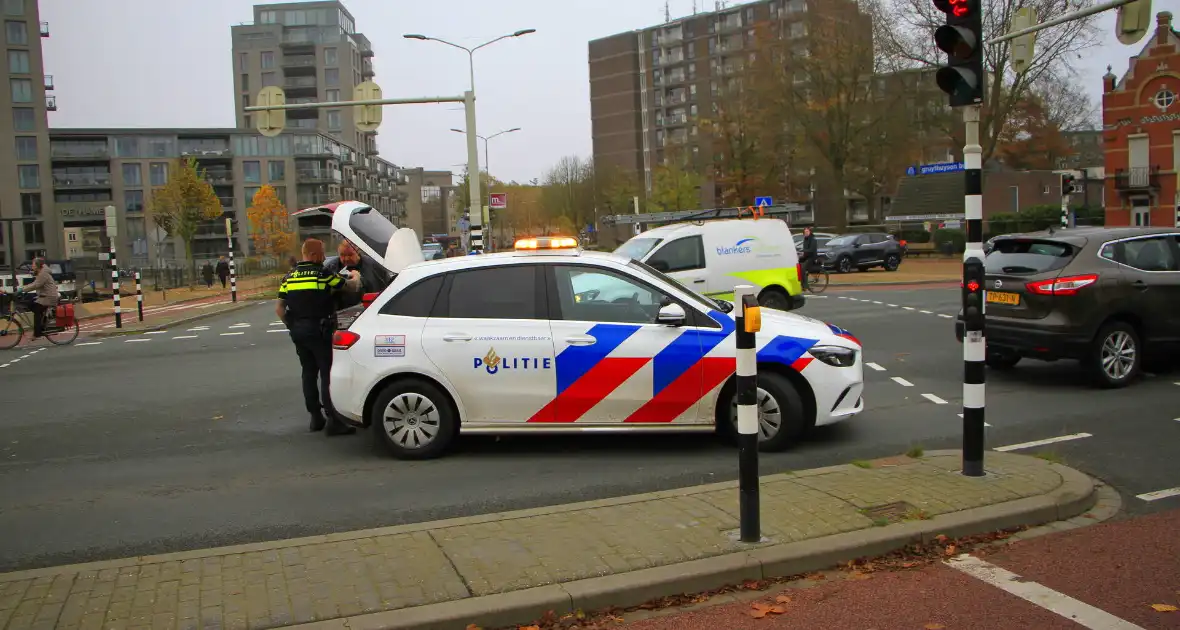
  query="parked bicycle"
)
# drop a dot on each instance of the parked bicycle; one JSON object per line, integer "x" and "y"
{"x": 16, "y": 315}
{"x": 817, "y": 277}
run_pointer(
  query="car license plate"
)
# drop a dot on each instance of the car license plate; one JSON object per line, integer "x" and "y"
{"x": 1009, "y": 299}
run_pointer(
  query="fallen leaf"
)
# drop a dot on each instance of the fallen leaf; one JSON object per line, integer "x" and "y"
{"x": 908, "y": 565}
{"x": 940, "y": 538}
{"x": 757, "y": 614}
{"x": 934, "y": 626}
{"x": 529, "y": 628}
{"x": 857, "y": 575}
{"x": 783, "y": 599}
{"x": 1164, "y": 608}
{"x": 950, "y": 550}
{"x": 761, "y": 606}
{"x": 472, "y": 626}
{"x": 778, "y": 610}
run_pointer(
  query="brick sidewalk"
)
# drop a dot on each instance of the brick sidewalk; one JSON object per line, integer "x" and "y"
{"x": 340, "y": 575}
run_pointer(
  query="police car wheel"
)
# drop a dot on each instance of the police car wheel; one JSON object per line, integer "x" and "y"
{"x": 780, "y": 413}
{"x": 413, "y": 419}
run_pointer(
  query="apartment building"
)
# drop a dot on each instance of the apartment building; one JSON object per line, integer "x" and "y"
{"x": 649, "y": 88}
{"x": 313, "y": 51}
{"x": 94, "y": 168}
{"x": 25, "y": 185}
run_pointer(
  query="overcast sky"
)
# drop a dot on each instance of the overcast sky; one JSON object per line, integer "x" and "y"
{"x": 135, "y": 63}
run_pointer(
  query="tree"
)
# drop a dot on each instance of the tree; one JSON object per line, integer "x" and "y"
{"x": 1030, "y": 140}
{"x": 617, "y": 189}
{"x": 182, "y": 204}
{"x": 675, "y": 186}
{"x": 270, "y": 225}
{"x": 904, "y": 29}
{"x": 749, "y": 151}
{"x": 569, "y": 191}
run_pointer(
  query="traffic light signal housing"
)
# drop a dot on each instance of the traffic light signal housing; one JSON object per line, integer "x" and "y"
{"x": 961, "y": 38}
{"x": 1068, "y": 185}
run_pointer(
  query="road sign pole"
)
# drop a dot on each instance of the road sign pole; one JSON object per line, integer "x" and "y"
{"x": 139, "y": 295}
{"x": 749, "y": 320}
{"x": 974, "y": 343}
{"x": 233, "y": 270}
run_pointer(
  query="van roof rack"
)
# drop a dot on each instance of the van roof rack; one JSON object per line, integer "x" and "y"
{"x": 704, "y": 215}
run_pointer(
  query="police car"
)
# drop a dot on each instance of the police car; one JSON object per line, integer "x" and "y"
{"x": 551, "y": 339}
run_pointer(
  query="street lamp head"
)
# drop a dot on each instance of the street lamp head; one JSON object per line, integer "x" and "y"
{"x": 524, "y": 32}
{"x": 415, "y": 36}
{"x": 458, "y": 130}
{"x": 513, "y": 129}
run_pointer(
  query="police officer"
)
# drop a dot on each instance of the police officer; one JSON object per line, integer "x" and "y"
{"x": 307, "y": 307}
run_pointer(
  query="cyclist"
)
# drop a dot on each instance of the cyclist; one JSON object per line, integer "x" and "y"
{"x": 809, "y": 253}
{"x": 46, "y": 295}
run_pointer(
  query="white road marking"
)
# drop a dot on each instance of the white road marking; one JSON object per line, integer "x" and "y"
{"x": 277, "y": 330}
{"x": 136, "y": 340}
{"x": 233, "y": 333}
{"x": 14, "y": 361}
{"x": 876, "y": 302}
{"x": 88, "y": 343}
{"x": 934, "y": 399}
{"x": 242, "y": 325}
{"x": 1159, "y": 494}
{"x": 186, "y": 337}
{"x": 276, "y": 324}
{"x": 842, "y": 297}
{"x": 1052, "y": 440}
{"x": 875, "y": 366}
{"x": 892, "y": 305}
{"x": 4, "y": 366}
{"x": 1077, "y": 611}
{"x": 198, "y": 328}
{"x": 926, "y": 312}
{"x": 944, "y": 315}
{"x": 155, "y": 332}
{"x": 901, "y": 381}
{"x": 818, "y": 297}
{"x": 908, "y": 308}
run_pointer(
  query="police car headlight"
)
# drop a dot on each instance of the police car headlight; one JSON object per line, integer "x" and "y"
{"x": 834, "y": 356}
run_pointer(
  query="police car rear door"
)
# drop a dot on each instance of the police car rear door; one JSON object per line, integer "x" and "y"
{"x": 376, "y": 236}
{"x": 489, "y": 334}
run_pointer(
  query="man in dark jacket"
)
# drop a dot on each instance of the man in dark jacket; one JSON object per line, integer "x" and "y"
{"x": 808, "y": 255}
{"x": 223, "y": 271}
{"x": 374, "y": 278}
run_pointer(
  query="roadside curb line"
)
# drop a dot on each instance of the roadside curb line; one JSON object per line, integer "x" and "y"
{"x": 1076, "y": 495}
{"x": 180, "y": 322}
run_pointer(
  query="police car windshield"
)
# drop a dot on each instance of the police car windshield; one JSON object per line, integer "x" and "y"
{"x": 692, "y": 295}
{"x": 637, "y": 248}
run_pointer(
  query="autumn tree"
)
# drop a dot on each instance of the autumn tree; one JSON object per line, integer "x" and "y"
{"x": 569, "y": 191}
{"x": 675, "y": 184}
{"x": 270, "y": 225}
{"x": 1030, "y": 140}
{"x": 904, "y": 35}
{"x": 186, "y": 201}
{"x": 617, "y": 189}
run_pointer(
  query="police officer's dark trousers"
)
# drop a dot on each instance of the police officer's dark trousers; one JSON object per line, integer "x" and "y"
{"x": 313, "y": 344}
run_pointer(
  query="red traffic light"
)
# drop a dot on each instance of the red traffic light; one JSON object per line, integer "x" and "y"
{"x": 957, "y": 8}
{"x": 973, "y": 286}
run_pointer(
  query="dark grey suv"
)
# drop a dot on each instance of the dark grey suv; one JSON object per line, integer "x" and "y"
{"x": 861, "y": 252}
{"x": 1103, "y": 296}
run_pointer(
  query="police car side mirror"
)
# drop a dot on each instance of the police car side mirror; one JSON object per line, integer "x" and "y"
{"x": 671, "y": 315}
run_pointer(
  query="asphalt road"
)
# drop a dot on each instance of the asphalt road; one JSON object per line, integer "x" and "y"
{"x": 197, "y": 437}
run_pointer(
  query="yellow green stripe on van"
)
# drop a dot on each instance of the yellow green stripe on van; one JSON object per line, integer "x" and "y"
{"x": 786, "y": 277}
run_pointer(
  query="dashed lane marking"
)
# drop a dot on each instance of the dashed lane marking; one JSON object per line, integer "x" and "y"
{"x": 875, "y": 366}
{"x": 197, "y": 328}
{"x": 275, "y": 324}
{"x": 944, "y": 316}
{"x": 136, "y": 340}
{"x": 891, "y": 305}
{"x": 1036, "y": 443}
{"x": 155, "y": 332}
{"x": 232, "y": 333}
{"x": 88, "y": 343}
{"x": 277, "y": 330}
{"x": 1159, "y": 494}
{"x": 901, "y": 381}
{"x": 186, "y": 337}
{"x": 1077, "y": 611}
{"x": 926, "y": 312}
{"x": 5, "y": 365}
{"x": 908, "y": 308}
{"x": 876, "y": 302}
{"x": 934, "y": 399}
{"x": 241, "y": 325}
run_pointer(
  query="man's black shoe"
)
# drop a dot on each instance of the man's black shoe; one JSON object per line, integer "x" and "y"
{"x": 338, "y": 428}
{"x": 318, "y": 421}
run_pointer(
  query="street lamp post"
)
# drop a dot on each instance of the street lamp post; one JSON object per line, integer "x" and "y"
{"x": 474, "y": 211}
{"x": 487, "y": 163}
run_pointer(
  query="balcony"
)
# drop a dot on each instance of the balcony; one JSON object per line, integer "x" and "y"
{"x": 211, "y": 230}
{"x": 51, "y": 103}
{"x": 367, "y": 53}
{"x": 303, "y": 86}
{"x": 367, "y": 71}
{"x": 82, "y": 181}
{"x": 45, "y": 29}
{"x": 317, "y": 176}
{"x": 219, "y": 178}
{"x": 226, "y": 202}
{"x": 299, "y": 61}
{"x": 1137, "y": 178}
{"x": 306, "y": 201}
{"x": 203, "y": 153}
{"x": 48, "y": 82}
{"x": 59, "y": 151}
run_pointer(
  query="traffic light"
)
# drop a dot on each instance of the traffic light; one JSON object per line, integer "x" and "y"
{"x": 1069, "y": 185}
{"x": 961, "y": 38}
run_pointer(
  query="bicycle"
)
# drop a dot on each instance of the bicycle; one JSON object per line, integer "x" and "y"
{"x": 12, "y": 329}
{"x": 817, "y": 278}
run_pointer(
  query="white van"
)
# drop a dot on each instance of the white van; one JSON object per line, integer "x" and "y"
{"x": 712, "y": 257}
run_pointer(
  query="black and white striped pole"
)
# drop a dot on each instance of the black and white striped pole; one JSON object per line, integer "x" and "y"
{"x": 233, "y": 270}
{"x": 974, "y": 342}
{"x": 112, "y": 234}
{"x": 139, "y": 295}
{"x": 749, "y": 321}
{"x": 1066, "y": 191}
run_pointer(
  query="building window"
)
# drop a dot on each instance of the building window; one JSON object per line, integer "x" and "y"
{"x": 29, "y": 175}
{"x": 332, "y": 76}
{"x": 18, "y": 62}
{"x": 330, "y": 56}
{"x": 34, "y": 232}
{"x": 161, "y": 147}
{"x": 30, "y": 204}
{"x": 127, "y": 147}
{"x": 334, "y": 120}
{"x": 245, "y": 83}
{"x": 26, "y": 148}
{"x": 332, "y": 96}
{"x": 268, "y": 17}
{"x": 246, "y": 120}
{"x": 277, "y": 171}
{"x": 252, "y": 172}
{"x": 133, "y": 200}
{"x": 431, "y": 193}
{"x": 245, "y": 100}
{"x": 158, "y": 173}
{"x": 243, "y": 61}
{"x": 23, "y": 119}
{"x": 250, "y": 192}
{"x": 17, "y": 32}
{"x": 132, "y": 175}
{"x": 22, "y": 90}
{"x": 268, "y": 59}
{"x": 14, "y": 7}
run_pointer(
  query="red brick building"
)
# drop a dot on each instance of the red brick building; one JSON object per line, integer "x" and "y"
{"x": 1141, "y": 127}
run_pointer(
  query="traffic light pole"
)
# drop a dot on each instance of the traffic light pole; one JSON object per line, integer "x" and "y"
{"x": 974, "y": 343}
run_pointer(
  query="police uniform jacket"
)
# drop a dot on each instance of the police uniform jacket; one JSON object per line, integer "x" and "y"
{"x": 308, "y": 292}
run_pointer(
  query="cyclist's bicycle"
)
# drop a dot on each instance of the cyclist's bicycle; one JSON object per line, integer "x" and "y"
{"x": 817, "y": 276}
{"x": 15, "y": 316}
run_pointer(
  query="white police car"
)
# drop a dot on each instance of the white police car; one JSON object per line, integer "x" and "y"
{"x": 548, "y": 338}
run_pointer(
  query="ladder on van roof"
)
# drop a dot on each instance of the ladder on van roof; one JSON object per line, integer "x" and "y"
{"x": 781, "y": 210}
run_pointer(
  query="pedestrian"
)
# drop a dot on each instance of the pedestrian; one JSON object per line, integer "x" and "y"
{"x": 808, "y": 256}
{"x": 292, "y": 262}
{"x": 207, "y": 274}
{"x": 306, "y": 307}
{"x": 223, "y": 270}
{"x": 44, "y": 290}
{"x": 374, "y": 278}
